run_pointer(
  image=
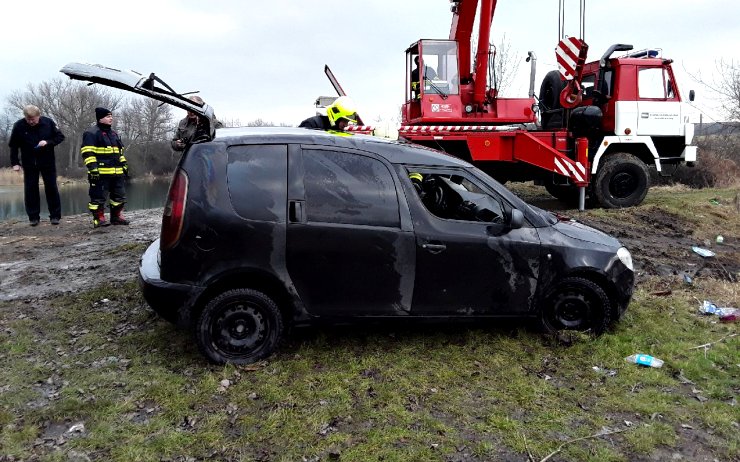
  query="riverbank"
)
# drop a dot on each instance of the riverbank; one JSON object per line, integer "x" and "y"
{"x": 45, "y": 260}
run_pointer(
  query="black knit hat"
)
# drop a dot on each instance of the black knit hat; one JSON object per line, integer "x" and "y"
{"x": 101, "y": 112}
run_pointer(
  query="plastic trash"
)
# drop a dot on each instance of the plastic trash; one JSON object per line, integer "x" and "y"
{"x": 644, "y": 360}
{"x": 728, "y": 312}
{"x": 687, "y": 279}
{"x": 720, "y": 239}
{"x": 729, "y": 315}
{"x": 703, "y": 252}
{"x": 708, "y": 307}
{"x": 714, "y": 201}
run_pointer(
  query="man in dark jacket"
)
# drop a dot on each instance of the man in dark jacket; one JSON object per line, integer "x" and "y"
{"x": 339, "y": 114}
{"x": 191, "y": 128}
{"x": 102, "y": 152}
{"x": 35, "y": 136}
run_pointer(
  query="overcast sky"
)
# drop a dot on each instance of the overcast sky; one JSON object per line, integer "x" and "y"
{"x": 265, "y": 59}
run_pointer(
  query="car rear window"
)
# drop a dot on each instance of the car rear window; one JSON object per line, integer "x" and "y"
{"x": 257, "y": 181}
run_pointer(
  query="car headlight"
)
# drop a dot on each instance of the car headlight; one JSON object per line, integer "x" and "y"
{"x": 625, "y": 258}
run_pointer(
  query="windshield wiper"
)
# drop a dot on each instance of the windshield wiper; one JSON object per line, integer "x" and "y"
{"x": 439, "y": 90}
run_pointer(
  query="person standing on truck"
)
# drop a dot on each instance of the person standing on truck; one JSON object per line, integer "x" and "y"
{"x": 35, "y": 136}
{"x": 339, "y": 114}
{"x": 102, "y": 152}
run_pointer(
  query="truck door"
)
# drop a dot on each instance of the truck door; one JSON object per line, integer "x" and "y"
{"x": 658, "y": 105}
{"x": 347, "y": 252}
{"x": 467, "y": 261}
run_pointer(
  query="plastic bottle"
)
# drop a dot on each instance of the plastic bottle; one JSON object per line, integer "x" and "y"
{"x": 644, "y": 360}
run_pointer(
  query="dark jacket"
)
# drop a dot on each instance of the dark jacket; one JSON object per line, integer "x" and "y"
{"x": 189, "y": 130}
{"x": 102, "y": 150}
{"x": 26, "y": 137}
{"x": 319, "y": 122}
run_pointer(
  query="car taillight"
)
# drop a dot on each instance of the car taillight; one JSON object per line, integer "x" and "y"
{"x": 174, "y": 211}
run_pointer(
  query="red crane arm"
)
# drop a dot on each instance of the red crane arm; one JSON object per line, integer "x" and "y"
{"x": 461, "y": 30}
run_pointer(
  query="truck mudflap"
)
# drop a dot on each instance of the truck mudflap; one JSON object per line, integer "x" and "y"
{"x": 608, "y": 141}
{"x": 689, "y": 154}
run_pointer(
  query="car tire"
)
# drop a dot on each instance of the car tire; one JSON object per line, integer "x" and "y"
{"x": 239, "y": 326}
{"x": 576, "y": 304}
{"x": 623, "y": 180}
{"x": 549, "y": 101}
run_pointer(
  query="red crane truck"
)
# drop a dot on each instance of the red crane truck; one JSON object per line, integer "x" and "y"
{"x": 599, "y": 127}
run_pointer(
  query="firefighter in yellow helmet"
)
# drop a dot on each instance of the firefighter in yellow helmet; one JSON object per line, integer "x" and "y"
{"x": 339, "y": 114}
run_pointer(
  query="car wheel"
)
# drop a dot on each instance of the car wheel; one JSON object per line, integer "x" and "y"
{"x": 240, "y": 326}
{"x": 576, "y": 304}
{"x": 622, "y": 181}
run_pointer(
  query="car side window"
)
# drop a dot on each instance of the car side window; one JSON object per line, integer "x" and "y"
{"x": 349, "y": 188}
{"x": 455, "y": 197}
{"x": 256, "y": 178}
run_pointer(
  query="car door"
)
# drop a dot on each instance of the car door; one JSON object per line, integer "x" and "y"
{"x": 347, "y": 253}
{"x": 468, "y": 260}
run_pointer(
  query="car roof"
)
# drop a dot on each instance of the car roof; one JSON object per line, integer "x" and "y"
{"x": 394, "y": 151}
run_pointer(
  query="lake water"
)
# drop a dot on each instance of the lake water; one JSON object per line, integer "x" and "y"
{"x": 139, "y": 195}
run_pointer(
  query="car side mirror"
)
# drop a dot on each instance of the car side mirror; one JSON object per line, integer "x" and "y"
{"x": 517, "y": 219}
{"x": 692, "y": 95}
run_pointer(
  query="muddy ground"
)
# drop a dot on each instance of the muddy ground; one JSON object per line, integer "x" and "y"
{"x": 37, "y": 262}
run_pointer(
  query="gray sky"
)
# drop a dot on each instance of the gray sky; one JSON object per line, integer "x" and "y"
{"x": 265, "y": 59}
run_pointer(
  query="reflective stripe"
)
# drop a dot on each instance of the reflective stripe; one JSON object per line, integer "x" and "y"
{"x": 108, "y": 170}
{"x": 92, "y": 206}
{"x": 115, "y": 204}
{"x": 90, "y": 159}
{"x": 122, "y": 158}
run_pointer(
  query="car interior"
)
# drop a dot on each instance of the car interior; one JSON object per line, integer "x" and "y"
{"x": 453, "y": 197}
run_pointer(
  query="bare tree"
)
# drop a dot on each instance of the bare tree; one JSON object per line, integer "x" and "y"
{"x": 505, "y": 65}
{"x": 726, "y": 86}
{"x": 145, "y": 126}
{"x": 72, "y": 106}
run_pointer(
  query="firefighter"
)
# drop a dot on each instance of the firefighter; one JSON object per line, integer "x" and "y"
{"x": 102, "y": 152}
{"x": 339, "y": 114}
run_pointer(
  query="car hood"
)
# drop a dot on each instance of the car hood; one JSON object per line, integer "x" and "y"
{"x": 151, "y": 86}
{"x": 581, "y": 232}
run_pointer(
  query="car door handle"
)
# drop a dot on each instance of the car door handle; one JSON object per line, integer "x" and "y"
{"x": 295, "y": 211}
{"x": 434, "y": 248}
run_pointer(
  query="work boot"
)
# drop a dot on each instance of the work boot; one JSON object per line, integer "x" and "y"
{"x": 99, "y": 218}
{"x": 116, "y": 217}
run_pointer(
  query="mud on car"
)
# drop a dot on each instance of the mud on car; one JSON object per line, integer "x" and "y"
{"x": 266, "y": 228}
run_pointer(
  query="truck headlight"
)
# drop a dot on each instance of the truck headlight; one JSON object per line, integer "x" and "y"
{"x": 625, "y": 258}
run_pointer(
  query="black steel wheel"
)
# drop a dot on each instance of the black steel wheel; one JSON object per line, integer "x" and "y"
{"x": 622, "y": 180}
{"x": 239, "y": 326}
{"x": 576, "y": 304}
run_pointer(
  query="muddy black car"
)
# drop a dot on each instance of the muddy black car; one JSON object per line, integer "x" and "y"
{"x": 269, "y": 227}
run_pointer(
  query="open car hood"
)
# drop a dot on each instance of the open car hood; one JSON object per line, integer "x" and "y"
{"x": 151, "y": 86}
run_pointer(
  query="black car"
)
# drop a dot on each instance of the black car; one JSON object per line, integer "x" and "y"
{"x": 269, "y": 227}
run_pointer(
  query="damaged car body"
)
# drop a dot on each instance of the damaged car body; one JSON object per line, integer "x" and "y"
{"x": 269, "y": 227}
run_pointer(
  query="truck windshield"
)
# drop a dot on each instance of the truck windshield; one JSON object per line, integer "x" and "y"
{"x": 441, "y": 57}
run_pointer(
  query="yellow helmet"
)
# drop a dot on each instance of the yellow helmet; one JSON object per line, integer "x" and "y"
{"x": 342, "y": 108}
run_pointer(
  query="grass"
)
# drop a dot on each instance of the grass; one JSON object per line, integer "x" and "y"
{"x": 406, "y": 393}
{"x": 392, "y": 393}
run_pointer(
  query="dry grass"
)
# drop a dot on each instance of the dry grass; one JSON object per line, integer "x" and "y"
{"x": 8, "y": 177}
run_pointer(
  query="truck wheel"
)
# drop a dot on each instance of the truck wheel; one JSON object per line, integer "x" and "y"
{"x": 576, "y": 304}
{"x": 566, "y": 193}
{"x": 549, "y": 100}
{"x": 622, "y": 181}
{"x": 240, "y": 326}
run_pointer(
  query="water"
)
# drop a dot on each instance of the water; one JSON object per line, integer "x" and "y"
{"x": 139, "y": 195}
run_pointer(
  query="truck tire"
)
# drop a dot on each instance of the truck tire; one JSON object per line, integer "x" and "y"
{"x": 623, "y": 180}
{"x": 549, "y": 101}
{"x": 566, "y": 193}
{"x": 239, "y": 326}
